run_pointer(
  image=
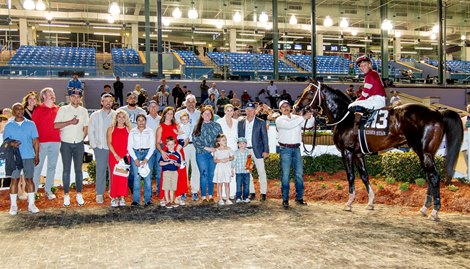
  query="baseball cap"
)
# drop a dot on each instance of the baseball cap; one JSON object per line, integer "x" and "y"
{"x": 131, "y": 93}
{"x": 152, "y": 102}
{"x": 144, "y": 170}
{"x": 250, "y": 105}
{"x": 74, "y": 91}
{"x": 242, "y": 139}
{"x": 362, "y": 59}
{"x": 283, "y": 102}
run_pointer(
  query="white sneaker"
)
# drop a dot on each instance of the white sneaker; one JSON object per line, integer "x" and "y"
{"x": 181, "y": 202}
{"x": 80, "y": 200}
{"x": 229, "y": 202}
{"x": 13, "y": 210}
{"x": 247, "y": 200}
{"x": 66, "y": 200}
{"x": 114, "y": 202}
{"x": 99, "y": 199}
{"x": 50, "y": 196}
{"x": 122, "y": 202}
{"x": 33, "y": 209}
{"x": 238, "y": 201}
{"x": 162, "y": 203}
{"x": 221, "y": 202}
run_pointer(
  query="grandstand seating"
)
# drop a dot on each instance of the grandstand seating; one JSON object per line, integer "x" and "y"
{"x": 125, "y": 56}
{"x": 325, "y": 64}
{"x": 189, "y": 58}
{"x": 40, "y": 56}
{"x": 454, "y": 66}
{"x": 411, "y": 60}
{"x": 248, "y": 62}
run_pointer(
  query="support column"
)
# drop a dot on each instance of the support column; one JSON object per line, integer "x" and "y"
{"x": 32, "y": 36}
{"x": 275, "y": 42}
{"x": 313, "y": 38}
{"x": 384, "y": 40}
{"x": 23, "y": 32}
{"x": 397, "y": 48}
{"x": 440, "y": 44}
{"x": 467, "y": 53}
{"x": 319, "y": 44}
{"x": 160, "y": 37}
{"x": 147, "y": 37}
{"x": 233, "y": 40}
{"x": 134, "y": 36}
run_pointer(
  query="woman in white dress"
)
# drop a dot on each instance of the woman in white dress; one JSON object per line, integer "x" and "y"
{"x": 230, "y": 130}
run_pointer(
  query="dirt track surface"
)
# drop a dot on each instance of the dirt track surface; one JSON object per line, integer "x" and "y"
{"x": 256, "y": 235}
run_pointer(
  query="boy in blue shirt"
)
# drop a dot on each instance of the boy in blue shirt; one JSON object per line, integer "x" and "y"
{"x": 170, "y": 172}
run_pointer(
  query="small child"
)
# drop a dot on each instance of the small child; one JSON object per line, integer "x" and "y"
{"x": 242, "y": 172}
{"x": 170, "y": 172}
{"x": 184, "y": 130}
{"x": 223, "y": 167}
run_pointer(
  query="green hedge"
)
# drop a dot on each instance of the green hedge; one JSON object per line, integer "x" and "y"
{"x": 405, "y": 166}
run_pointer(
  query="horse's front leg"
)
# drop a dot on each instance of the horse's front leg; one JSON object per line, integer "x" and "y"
{"x": 361, "y": 164}
{"x": 347, "y": 157}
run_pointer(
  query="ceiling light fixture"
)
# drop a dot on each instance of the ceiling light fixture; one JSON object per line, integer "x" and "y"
{"x": 166, "y": 22}
{"x": 192, "y": 13}
{"x": 219, "y": 24}
{"x": 40, "y": 5}
{"x": 110, "y": 18}
{"x": 387, "y": 25}
{"x": 433, "y": 36}
{"x": 354, "y": 32}
{"x": 327, "y": 22}
{"x": 463, "y": 37}
{"x": 114, "y": 9}
{"x": 435, "y": 29}
{"x": 176, "y": 13}
{"x": 397, "y": 34}
{"x": 48, "y": 16}
{"x": 293, "y": 20}
{"x": 344, "y": 23}
{"x": 29, "y": 5}
{"x": 237, "y": 17}
{"x": 263, "y": 18}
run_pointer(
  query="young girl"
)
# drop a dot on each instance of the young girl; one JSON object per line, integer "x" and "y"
{"x": 223, "y": 168}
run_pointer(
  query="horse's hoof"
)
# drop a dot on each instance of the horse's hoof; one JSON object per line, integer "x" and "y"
{"x": 423, "y": 211}
{"x": 370, "y": 207}
{"x": 348, "y": 208}
{"x": 434, "y": 218}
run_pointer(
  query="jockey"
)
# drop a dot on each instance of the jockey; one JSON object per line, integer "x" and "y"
{"x": 373, "y": 94}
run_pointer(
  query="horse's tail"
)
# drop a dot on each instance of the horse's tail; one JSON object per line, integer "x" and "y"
{"x": 453, "y": 129}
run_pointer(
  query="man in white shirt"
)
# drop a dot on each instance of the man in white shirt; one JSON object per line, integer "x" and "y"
{"x": 213, "y": 90}
{"x": 272, "y": 94}
{"x": 153, "y": 121}
{"x": 190, "y": 150}
{"x": 97, "y": 126}
{"x": 289, "y": 127}
{"x": 72, "y": 120}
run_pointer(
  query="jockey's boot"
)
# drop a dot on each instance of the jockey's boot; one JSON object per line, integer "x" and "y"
{"x": 357, "y": 122}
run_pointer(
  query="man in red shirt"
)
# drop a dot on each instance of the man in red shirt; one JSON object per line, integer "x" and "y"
{"x": 373, "y": 94}
{"x": 49, "y": 139}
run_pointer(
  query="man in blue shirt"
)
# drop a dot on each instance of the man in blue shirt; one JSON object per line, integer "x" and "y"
{"x": 24, "y": 131}
{"x": 74, "y": 83}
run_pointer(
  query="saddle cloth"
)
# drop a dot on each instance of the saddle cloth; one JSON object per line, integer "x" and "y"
{"x": 376, "y": 124}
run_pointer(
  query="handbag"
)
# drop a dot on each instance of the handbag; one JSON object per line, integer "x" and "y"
{"x": 121, "y": 169}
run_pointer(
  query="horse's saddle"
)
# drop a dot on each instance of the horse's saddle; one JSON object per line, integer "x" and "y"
{"x": 373, "y": 123}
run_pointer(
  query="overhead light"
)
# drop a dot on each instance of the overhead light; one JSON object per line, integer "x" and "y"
{"x": 331, "y": 38}
{"x": 40, "y": 5}
{"x": 344, "y": 23}
{"x": 293, "y": 20}
{"x": 463, "y": 37}
{"x": 354, "y": 32}
{"x": 206, "y": 32}
{"x": 55, "y": 32}
{"x": 29, "y": 5}
{"x": 423, "y": 48}
{"x": 107, "y": 33}
{"x": 356, "y": 45}
{"x": 54, "y": 25}
{"x": 435, "y": 29}
{"x": 194, "y": 43}
{"x": 114, "y": 9}
{"x": 397, "y": 34}
{"x": 166, "y": 22}
{"x": 110, "y": 18}
{"x": 255, "y": 18}
{"x": 48, "y": 16}
{"x": 408, "y": 52}
{"x": 237, "y": 17}
{"x": 408, "y": 42}
{"x": 192, "y": 13}
{"x": 8, "y": 29}
{"x": 285, "y": 42}
{"x": 176, "y": 13}
{"x": 106, "y": 28}
{"x": 241, "y": 45}
{"x": 327, "y": 22}
{"x": 433, "y": 36}
{"x": 155, "y": 35}
{"x": 251, "y": 34}
{"x": 263, "y": 17}
{"x": 387, "y": 25}
{"x": 292, "y": 36}
{"x": 245, "y": 40}
{"x": 219, "y": 24}
{"x": 367, "y": 40}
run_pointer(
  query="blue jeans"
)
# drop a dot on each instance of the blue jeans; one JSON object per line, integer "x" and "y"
{"x": 291, "y": 157}
{"x": 154, "y": 164}
{"x": 206, "y": 165}
{"x": 147, "y": 180}
{"x": 243, "y": 180}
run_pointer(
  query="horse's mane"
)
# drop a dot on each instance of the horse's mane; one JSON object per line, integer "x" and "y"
{"x": 338, "y": 97}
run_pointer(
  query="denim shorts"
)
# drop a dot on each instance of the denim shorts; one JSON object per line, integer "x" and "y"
{"x": 28, "y": 169}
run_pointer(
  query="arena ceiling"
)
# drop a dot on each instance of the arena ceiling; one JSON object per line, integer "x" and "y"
{"x": 413, "y": 20}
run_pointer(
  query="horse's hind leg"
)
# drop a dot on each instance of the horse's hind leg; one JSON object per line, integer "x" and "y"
{"x": 361, "y": 164}
{"x": 429, "y": 166}
{"x": 347, "y": 157}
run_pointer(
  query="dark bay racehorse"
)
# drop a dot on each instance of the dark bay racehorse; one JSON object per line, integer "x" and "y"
{"x": 420, "y": 127}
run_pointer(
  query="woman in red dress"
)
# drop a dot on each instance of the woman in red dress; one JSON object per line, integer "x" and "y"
{"x": 168, "y": 127}
{"x": 116, "y": 136}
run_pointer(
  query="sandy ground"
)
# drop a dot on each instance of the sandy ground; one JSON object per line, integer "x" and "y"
{"x": 255, "y": 235}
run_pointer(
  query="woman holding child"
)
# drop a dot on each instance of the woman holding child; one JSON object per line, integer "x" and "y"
{"x": 169, "y": 128}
